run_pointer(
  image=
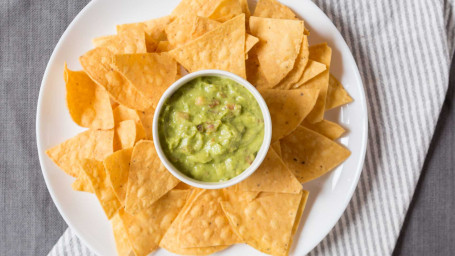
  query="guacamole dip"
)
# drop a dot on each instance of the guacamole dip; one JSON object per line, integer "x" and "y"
{"x": 211, "y": 128}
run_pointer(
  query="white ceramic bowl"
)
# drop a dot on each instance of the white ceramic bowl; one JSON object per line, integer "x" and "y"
{"x": 261, "y": 153}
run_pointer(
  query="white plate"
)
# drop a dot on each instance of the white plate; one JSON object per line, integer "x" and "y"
{"x": 329, "y": 195}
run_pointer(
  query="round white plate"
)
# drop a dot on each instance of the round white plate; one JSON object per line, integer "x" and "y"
{"x": 329, "y": 195}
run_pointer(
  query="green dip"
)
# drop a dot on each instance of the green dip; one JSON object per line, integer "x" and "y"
{"x": 211, "y": 128}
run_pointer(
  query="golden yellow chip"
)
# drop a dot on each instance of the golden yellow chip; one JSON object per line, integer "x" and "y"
{"x": 137, "y": 30}
{"x": 312, "y": 69}
{"x": 179, "y": 31}
{"x": 101, "y": 40}
{"x": 298, "y": 217}
{"x": 301, "y": 62}
{"x": 125, "y": 135}
{"x": 117, "y": 167}
{"x": 279, "y": 45}
{"x": 204, "y": 223}
{"x": 101, "y": 185}
{"x": 327, "y": 128}
{"x": 148, "y": 179}
{"x": 88, "y": 103}
{"x": 250, "y": 42}
{"x": 266, "y": 222}
{"x": 146, "y": 228}
{"x": 92, "y": 144}
{"x": 253, "y": 73}
{"x": 276, "y": 147}
{"x": 129, "y": 41}
{"x": 97, "y": 64}
{"x": 226, "y": 10}
{"x": 271, "y": 176}
{"x": 273, "y": 9}
{"x": 155, "y": 27}
{"x": 320, "y": 53}
{"x": 336, "y": 94}
{"x": 222, "y": 48}
{"x": 150, "y": 73}
{"x": 202, "y": 25}
{"x": 82, "y": 182}
{"x": 122, "y": 243}
{"x": 146, "y": 117}
{"x": 163, "y": 46}
{"x": 170, "y": 239}
{"x": 295, "y": 103}
{"x": 309, "y": 154}
{"x": 245, "y": 8}
{"x": 201, "y": 8}
{"x": 122, "y": 113}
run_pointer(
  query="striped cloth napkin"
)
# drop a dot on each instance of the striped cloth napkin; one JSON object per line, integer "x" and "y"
{"x": 403, "y": 50}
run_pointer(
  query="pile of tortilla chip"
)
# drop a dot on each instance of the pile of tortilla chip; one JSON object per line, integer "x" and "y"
{"x": 115, "y": 96}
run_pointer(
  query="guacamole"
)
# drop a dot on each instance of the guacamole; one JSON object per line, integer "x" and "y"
{"x": 211, "y": 128}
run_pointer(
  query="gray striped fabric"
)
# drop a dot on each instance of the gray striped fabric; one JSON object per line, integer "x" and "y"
{"x": 403, "y": 50}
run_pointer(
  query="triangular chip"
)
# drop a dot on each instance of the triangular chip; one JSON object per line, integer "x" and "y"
{"x": 336, "y": 94}
{"x": 250, "y": 41}
{"x": 245, "y": 8}
{"x": 309, "y": 154}
{"x": 138, "y": 30}
{"x": 82, "y": 182}
{"x": 97, "y": 64}
{"x": 226, "y": 10}
{"x": 327, "y": 128}
{"x": 146, "y": 117}
{"x": 273, "y": 9}
{"x": 301, "y": 62}
{"x": 276, "y": 147}
{"x": 295, "y": 103}
{"x": 88, "y": 103}
{"x": 266, "y": 222}
{"x": 312, "y": 69}
{"x": 298, "y": 217}
{"x": 101, "y": 40}
{"x": 320, "y": 53}
{"x": 271, "y": 176}
{"x": 101, "y": 185}
{"x": 92, "y": 144}
{"x": 253, "y": 73}
{"x": 148, "y": 179}
{"x": 122, "y": 113}
{"x": 155, "y": 27}
{"x": 129, "y": 41}
{"x": 201, "y": 8}
{"x": 204, "y": 223}
{"x": 146, "y": 228}
{"x": 178, "y": 31}
{"x": 117, "y": 167}
{"x": 279, "y": 45}
{"x": 202, "y": 25}
{"x": 150, "y": 73}
{"x": 170, "y": 240}
{"x": 163, "y": 46}
{"x": 222, "y": 48}
{"x": 127, "y": 133}
{"x": 122, "y": 243}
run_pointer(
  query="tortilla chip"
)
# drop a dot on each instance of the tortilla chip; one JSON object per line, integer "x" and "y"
{"x": 97, "y": 64}
{"x": 146, "y": 228}
{"x": 178, "y": 31}
{"x": 146, "y": 117}
{"x": 266, "y": 222}
{"x": 336, "y": 94}
{"x": 122, "y": 243}
{"x": 150, "y": 73}
{"x": 125, "y": 135}
{"x": 117, "y": 167}
{"x": 204, "y": 223}
{"x": 138, "y": 30}
{"x": 250, "y": 42}
{"x": 201, "y": 8}
{"x": 298, "y": 217}
{"x": 295, "y": 103}
{"x": 276, "y": 147}
{"x": 310, "y": 155}
{"x": 82, "y": 182}
{"x": 170, "y": 240}
{"x": 253, "y": 73}
{"x": 320, "y": 53}
{"x": 101, "y": 185}
{"x": 312, "y": 69}
{"x": 271, "y": 176}
{"x": 92, "y": 144}
{"x": 245, "y": 8}
{"x": 163, "y": 46}
{"x": 226, "y": 10}
{"x": 235, "y": 196}
{"x": 101, "y": 40}
{"x": 273, "y": 9}
{"x": 222, "y": 48}
{"x": 327, "y": 128}
{"x": 129, "y": 41}
{"x": 301, "y": 62}
{"x": 202, "y": 25}
{"x": 148, "y": 179}
{"x": 122, "y": 113}
{"x": 279, "y": 45}
{"x": 88, "y": 103}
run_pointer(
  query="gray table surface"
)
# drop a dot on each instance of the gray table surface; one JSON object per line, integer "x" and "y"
{"x": 29, "y": 222}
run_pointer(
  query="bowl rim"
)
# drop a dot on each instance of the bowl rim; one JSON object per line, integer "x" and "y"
{"x": 259, "y": 156}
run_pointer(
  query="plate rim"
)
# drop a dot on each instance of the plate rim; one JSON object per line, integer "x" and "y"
{"x": 359, "y": 166}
